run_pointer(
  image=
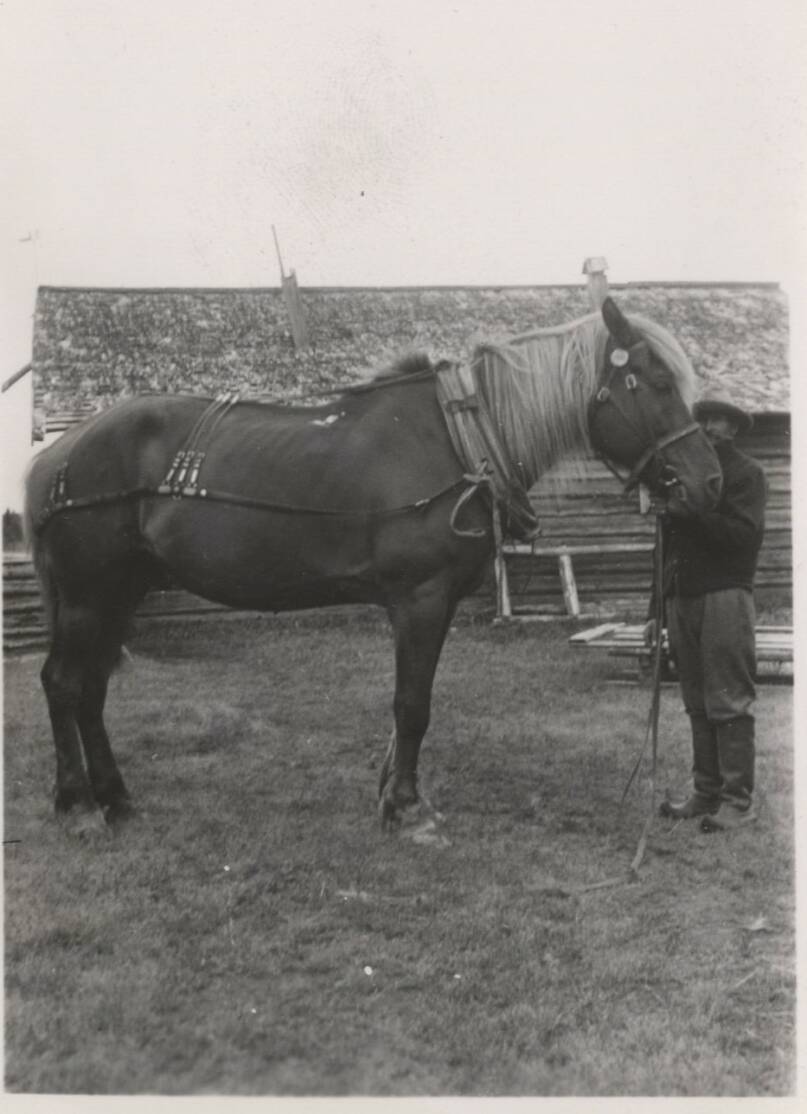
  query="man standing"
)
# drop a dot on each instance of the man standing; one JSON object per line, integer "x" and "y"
{"x": 709, "y": 567}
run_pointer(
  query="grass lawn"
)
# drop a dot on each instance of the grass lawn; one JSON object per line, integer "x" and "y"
{"x": 253, "y": 932}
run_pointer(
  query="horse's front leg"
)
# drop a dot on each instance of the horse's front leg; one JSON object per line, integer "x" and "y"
{"x": 419, "y": 621}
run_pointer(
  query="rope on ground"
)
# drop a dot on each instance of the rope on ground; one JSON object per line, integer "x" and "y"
{"x": 651, "y": 733}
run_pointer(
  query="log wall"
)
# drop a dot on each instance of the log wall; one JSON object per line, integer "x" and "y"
{"x": 592, "y": 509}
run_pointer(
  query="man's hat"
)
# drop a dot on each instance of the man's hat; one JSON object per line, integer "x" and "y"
{"x": 719, "y": 404}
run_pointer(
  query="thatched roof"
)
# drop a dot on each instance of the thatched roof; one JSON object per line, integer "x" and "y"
{"x": 97, "y": 345}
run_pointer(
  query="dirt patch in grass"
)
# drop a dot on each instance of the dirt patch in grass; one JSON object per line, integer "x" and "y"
{"x": 252, "y": 932}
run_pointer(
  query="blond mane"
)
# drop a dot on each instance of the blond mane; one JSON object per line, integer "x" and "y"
{"x": 537, "y": 385}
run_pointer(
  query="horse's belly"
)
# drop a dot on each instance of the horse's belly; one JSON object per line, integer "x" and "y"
{"x": 260, "y": 559}
{"x": 273, "y": 586}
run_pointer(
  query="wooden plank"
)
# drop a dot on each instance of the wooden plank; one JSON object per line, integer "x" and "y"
{"x": 560, "y": 550}
{"x": 294, "y": 307}
{"x": 503, "y": 606}
{"x": 773, "y": 644}
{"x": 31, "y": 630}
{"x": 634, "y": 630}
{"x": 594, "y": 633}
{"x": 12, "y": 379}
{"x": 570, "y": 597}
{"x": 23, "y": 607}
{"x": 783, "y": 655}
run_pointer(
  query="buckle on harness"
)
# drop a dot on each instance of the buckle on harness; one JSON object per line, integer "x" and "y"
{"x": 186, "y": 465}
{"x": 58, "y": 491}
{"x": 458, "y": 405}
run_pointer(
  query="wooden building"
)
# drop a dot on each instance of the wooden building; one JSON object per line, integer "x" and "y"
{"x": 94, "y": 346}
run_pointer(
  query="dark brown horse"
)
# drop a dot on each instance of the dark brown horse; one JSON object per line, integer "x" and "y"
{"x": 376, "y": 497}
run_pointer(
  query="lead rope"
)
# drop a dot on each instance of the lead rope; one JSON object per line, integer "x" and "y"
{"x": 651, "y": 731}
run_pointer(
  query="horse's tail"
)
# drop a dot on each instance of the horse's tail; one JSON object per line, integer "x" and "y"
{"x": 35, "y": 539}
{"x": 82, "y": 620}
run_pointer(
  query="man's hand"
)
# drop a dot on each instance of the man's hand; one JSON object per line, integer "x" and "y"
{"x": 650, "y": 632}
{"x": 677, "y": 504}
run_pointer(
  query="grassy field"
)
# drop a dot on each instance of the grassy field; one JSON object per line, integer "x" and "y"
{"x": 252, "y": 932}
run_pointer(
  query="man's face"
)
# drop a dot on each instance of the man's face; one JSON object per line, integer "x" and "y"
{"x": 719, "y": 428}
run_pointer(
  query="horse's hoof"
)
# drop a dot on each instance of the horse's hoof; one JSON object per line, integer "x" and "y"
{"x": 422, "y": 823}
{"x": 389, "y": 816}
{"x": 417, "y": 813}
{"x": 415, "y": 820}
{"x": 84, "y": 824}
{"x": 428, "y": 832}
{"x": 428, "y": 811}
{"x": 118, "y": 812}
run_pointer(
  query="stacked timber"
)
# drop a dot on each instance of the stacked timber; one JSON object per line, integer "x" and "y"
{"x": 774, "y": 648}
{"x": 23, "y": 618}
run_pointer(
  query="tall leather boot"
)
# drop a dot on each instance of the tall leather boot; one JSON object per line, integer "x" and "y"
{"x": 736, "y": 752}
{"x": 706, "y": 781}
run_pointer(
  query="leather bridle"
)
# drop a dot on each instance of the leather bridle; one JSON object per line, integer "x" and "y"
{"x": 620, "y": 358}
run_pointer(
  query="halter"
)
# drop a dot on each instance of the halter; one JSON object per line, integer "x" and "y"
{"x": 621, "y": 357}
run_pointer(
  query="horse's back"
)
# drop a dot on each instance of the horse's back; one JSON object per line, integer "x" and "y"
{"x": 315, "y": 495}
{"x": 377, "y": 446}
{"x": 100, "y": 449}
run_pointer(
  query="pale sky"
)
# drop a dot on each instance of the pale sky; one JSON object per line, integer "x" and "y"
{"x": 418, "y": 143}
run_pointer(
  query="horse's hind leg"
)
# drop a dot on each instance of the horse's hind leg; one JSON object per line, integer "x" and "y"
{"x": 63, "y": 681}
{"x": 105, "y": 778}
{"x": 86, "y": 646}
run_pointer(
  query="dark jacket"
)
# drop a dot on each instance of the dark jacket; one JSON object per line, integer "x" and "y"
{"x": 718, "y": 549}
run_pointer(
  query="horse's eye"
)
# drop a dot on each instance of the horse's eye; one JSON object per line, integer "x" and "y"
{"x": 659, "y": 380}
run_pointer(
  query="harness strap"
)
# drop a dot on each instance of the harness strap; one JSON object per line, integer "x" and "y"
{"x": 479, "y": 446}
{"x": 651, "y": 732}
{"x": 656, "y": 446}
{"x": 482, "y": 478}
{"x": 182, "y": 477}
{"x": 232, "y": 499}
{"x": 182, "y": 480}
{"x": 629, "y": 482}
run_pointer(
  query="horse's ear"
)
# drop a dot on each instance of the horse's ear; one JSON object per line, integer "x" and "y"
{"x": 617, "y": 324}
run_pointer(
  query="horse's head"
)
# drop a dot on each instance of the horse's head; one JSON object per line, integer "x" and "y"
{"x": 639, "y": 419}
